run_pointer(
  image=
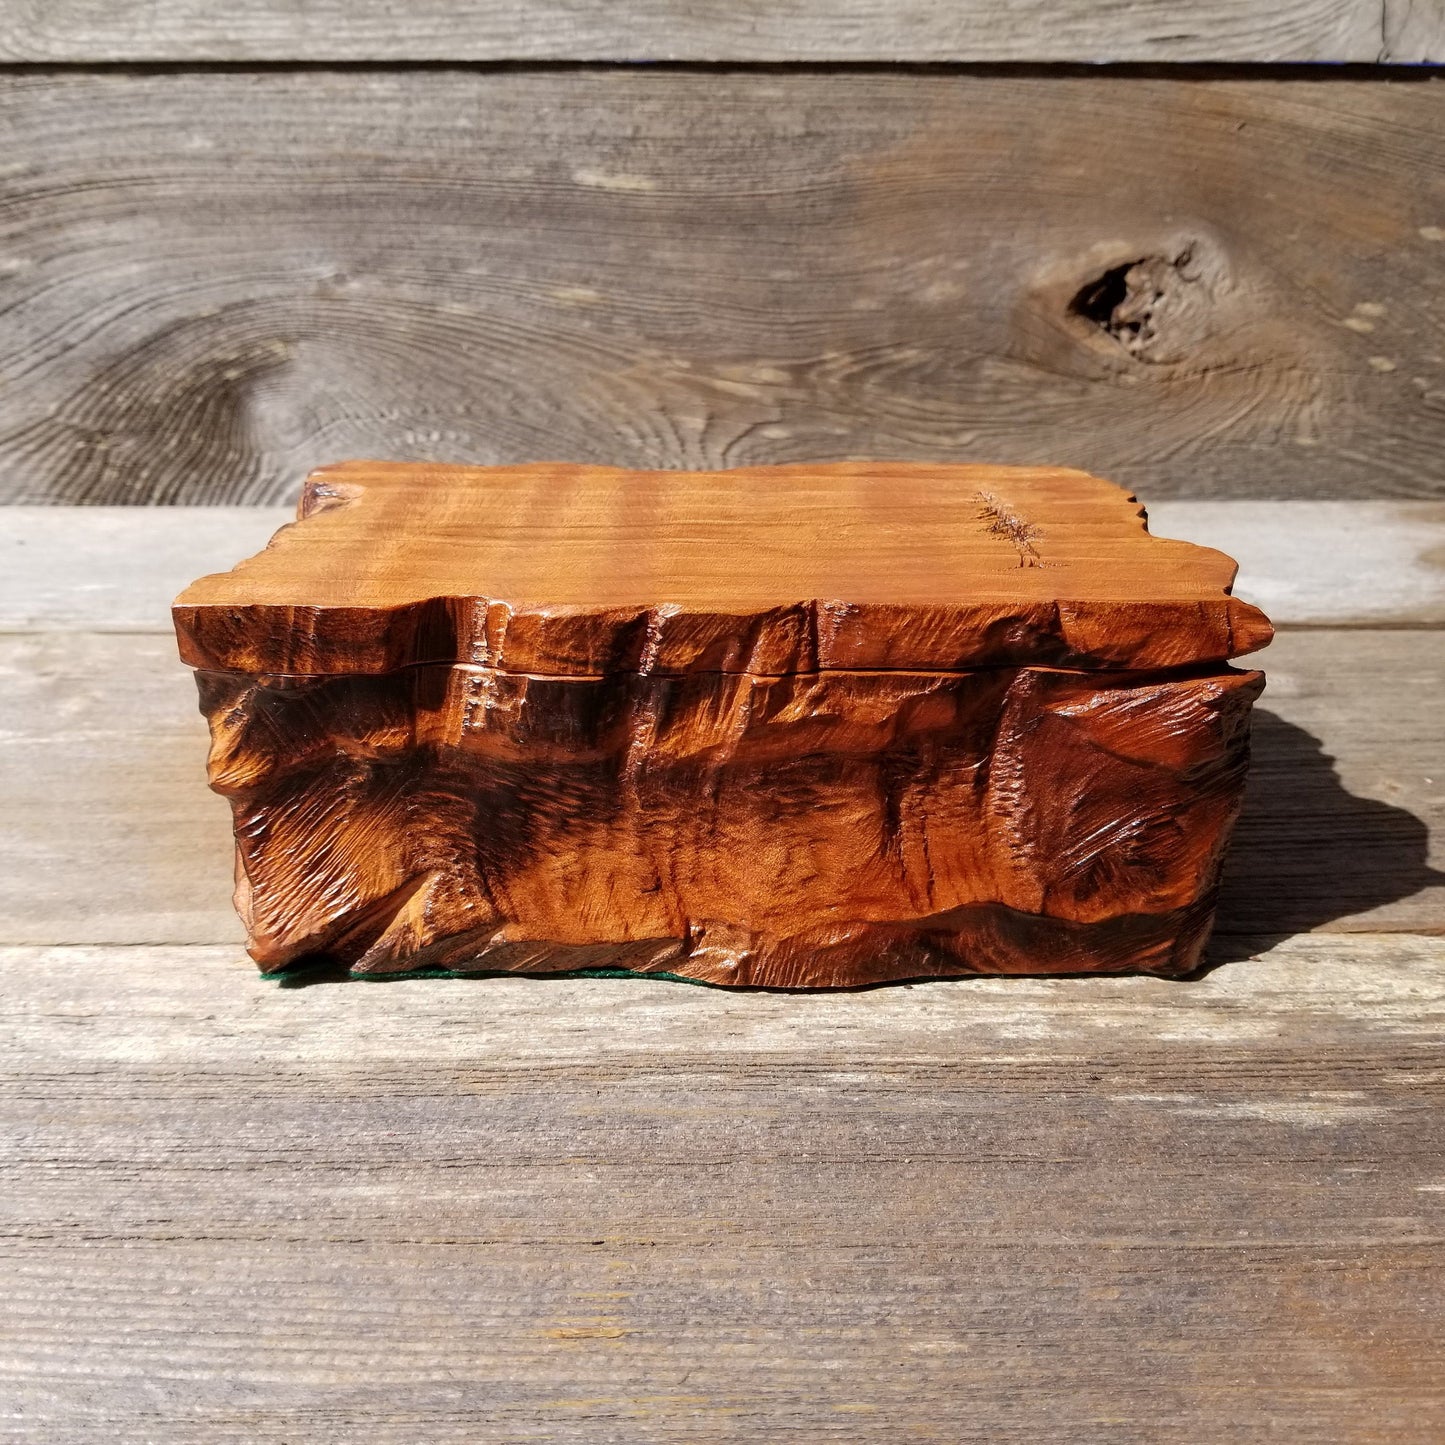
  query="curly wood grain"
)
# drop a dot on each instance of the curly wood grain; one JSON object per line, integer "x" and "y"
{"x": 558, "y": 569}
{"x": 800, "y": 726}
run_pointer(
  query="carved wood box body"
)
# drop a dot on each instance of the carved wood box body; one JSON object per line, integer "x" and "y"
{"x": 796, "y": 726}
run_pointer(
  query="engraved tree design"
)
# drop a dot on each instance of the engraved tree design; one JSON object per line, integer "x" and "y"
{"x": 1009, "y": 525}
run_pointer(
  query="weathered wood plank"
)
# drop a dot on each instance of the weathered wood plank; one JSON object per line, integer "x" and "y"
{"x": 866, "y": 30}
{"x": 1344, "y": 815}
{"x": 178, "y": 1010}
{"x": 118, "y": 840}
{"x": 1107, "y": 1210}
{"x": 118, "y": 569}
{"x": 1320, "y": 564}
{"x": 1307, "y": 564}
{"x": 112, "y": 837}
{"x": 1413, "y": 31}
{"x": 214, "y": 281}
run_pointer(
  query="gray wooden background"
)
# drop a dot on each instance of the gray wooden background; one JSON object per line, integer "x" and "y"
{"x": 237, "y": 240}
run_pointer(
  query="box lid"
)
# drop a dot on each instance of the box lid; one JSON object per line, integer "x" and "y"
{"x": 557, "y": 569}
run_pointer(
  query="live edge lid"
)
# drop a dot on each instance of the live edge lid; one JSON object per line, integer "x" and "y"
{"x": 555, "y": 569}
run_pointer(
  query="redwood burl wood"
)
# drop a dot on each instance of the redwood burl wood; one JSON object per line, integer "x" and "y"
{"x": 800, "y": 726}
{"x": 823, "y": 829}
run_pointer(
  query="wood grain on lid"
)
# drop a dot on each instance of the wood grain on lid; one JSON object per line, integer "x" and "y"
{"x": 563, "y": 569}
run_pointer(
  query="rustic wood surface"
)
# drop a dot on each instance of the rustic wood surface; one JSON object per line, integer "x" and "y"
{"x": 1125, "y": 1212}
{"x": 813, "y": 726}
{"x": 214, "y": 281}
{"x": 816, "y": 831}
{"x": 867, "y": 30}
{"x": 601, "y": 1210}
{"x": 558, "y": 569}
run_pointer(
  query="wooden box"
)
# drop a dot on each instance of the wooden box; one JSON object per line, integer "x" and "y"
{"x": 796, "y": 726}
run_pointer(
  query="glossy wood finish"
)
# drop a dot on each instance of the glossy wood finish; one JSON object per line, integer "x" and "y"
{"x": 550, "y": 717}
{"x": 556, "y": 569}
{"x": 829, "y": 829}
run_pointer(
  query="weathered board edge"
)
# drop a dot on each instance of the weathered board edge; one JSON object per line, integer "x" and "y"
{"x": 1079, "y": 31}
